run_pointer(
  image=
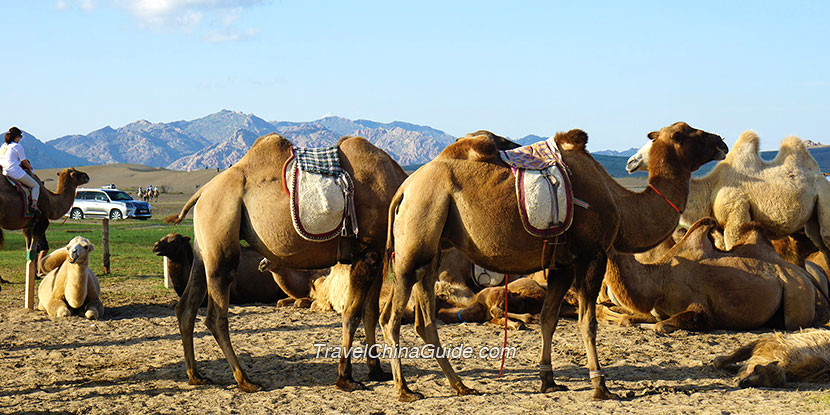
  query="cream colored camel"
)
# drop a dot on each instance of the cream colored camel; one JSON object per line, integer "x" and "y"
{"x": 785, "y": 195}
{"x": 247, "y": 202}
{"x": 465, "y": 198}
{"x": 778, "y": 358}
{"x": 697, "y": 287}
{"x": 71, "y": 286}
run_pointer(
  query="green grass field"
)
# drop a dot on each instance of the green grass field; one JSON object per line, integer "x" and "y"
{"x": 134, "y": 269}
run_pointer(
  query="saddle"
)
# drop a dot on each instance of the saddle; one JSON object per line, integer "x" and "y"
{"x": 486, "y": 278}
{"x": 321, "y": 194}
{"x": 543, "y": 188}
{"x": 25, "y": 196}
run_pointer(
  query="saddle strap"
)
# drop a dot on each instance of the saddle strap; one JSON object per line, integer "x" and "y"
{"x": 351, "y": 214}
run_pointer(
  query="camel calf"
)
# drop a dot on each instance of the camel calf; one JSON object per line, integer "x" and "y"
{"x": 70, "y": 285}
{"x": 251, "y": 284}
{"x": 524, "y": 303}
{"x": 778, "y": 358}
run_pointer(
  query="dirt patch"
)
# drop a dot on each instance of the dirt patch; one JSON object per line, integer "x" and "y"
{"x": 131, "y": 362}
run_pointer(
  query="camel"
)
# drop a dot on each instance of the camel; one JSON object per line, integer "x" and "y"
{"x": 799, "y": 250}
{"x": 465, "y": 198}
{"x": 71, "y": 285}
{"x": 698, "y": 287}
{"x": 778, "y": 358}
{"x": 251, "y": 285}
{"x": 247, "y": 201}
{"x": 785, "y": 195}
{"x": 525, "y": 298}
{"x": 52, "y": 206}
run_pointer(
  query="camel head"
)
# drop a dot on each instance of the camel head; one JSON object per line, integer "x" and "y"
{"x": 770, "y": 375}
{"x": 172, "y": 245}
{"x": 500, "y": 142}
{"x": 79, "y": 249}
{"x": 72, "y": 178}
{"x": 689, "y": 147}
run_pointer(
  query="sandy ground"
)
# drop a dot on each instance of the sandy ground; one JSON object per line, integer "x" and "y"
{"x": 131, "y": 362}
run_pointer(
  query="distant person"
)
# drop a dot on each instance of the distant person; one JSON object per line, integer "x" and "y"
{"x": 15, "y": 165}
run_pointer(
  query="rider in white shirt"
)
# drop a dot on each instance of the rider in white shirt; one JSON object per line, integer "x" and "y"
{"x": 15, "y": 165}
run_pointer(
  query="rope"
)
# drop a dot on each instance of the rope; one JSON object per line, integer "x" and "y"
{"x": 664, "y": 198}
{"x": 504, "y": 347}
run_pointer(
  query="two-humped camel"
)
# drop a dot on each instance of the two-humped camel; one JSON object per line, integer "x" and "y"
{"x": 70, "y": 286}
{"x": 247, "y": 202}
{"x": 785, "y": 195}
{"x": 698, "y": 287}
{"x": 465, "y": 198}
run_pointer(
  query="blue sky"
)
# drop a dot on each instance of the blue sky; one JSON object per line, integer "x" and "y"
{"x": 614, "y": 69}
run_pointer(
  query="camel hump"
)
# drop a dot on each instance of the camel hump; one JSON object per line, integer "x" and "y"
{"x": 793, "y": 148}
{"x": 575, "y": 139}
{"x": 746, "y": 146}
{"x": 476, "y": 148}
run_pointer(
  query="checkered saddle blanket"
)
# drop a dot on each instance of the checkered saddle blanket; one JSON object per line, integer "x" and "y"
{"x": 321, "y": 194}
{"x": 25, "y": 196}
{"x": 543, "y": 188}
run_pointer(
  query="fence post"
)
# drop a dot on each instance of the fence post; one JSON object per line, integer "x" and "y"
{"x": 31, "y": 270}
{"x": 105, "y": 235}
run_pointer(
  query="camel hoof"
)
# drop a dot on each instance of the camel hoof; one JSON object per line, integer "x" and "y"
{"x": 604, "y": 395}
{"x": 349, "y": 385}
{"x": 196, "y": 380}
{"x": 91, "y": 315}
{"x": 554, "y": 388}
{"x": 409, "y": 396}
{"x": 379, "y": 375}
{"x": 463, "y": 390}
{"x": 249, "y": 387}
{"x": 719, "y": 362}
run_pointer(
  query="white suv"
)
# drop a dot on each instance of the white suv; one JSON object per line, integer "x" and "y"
{"x": 108, "y": 203}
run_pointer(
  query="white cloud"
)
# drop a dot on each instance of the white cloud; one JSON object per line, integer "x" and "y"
{"x": 87, "y": 5}
{"x": 189, "y": 15}
{"x": 61, "y": 5}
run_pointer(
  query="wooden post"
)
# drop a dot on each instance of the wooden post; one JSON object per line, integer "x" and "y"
{"x": 105, "y": 236}
{"x": 31, "y": 270}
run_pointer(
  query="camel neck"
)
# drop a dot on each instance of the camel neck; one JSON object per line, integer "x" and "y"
{"x": 636, "y": 285}
{"x": 698, "y": 203}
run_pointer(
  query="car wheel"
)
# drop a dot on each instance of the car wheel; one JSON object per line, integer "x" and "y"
{"x": 115, "y": 214}
{"x": 77, "y": 214}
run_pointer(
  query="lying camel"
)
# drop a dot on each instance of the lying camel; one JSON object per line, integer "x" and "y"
{"x": 778, "y": 358}
{"x": 251, "y": 284}
{"x": 785, "y": 195}
{"x": 799, "y": 250}
{"x": 465, "y": 198}
{"x": 524, "y": 303}
{"x": 697, "y": 287}
{"x": 70, "y": 286}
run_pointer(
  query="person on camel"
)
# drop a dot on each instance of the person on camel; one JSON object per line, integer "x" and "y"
{"x": 15, "y": 165}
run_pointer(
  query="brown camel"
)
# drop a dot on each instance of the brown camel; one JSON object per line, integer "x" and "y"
{"x": 698, "y": 287}
{"x": 51, "y": 205}
{"x": 247, "y": 202}
{"x": 251, "y": 284}
{"x": 465, "y": 198}
{"x": 524, "y": 303}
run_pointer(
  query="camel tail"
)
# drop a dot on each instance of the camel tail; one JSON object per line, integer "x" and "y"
{"x": 390, "y": 238}
{"x": 175, "y": 219}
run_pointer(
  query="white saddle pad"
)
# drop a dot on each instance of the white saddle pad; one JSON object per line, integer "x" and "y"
{"x": 487, "y": 278}
{"x": 318, "y": 203}
{"x": 545, "y": 200}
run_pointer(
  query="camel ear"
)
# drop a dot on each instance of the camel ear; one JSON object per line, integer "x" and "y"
{"x": 91, "y": 247}
{"x": 653, "y": 135}
{"x": 187, "y": 239}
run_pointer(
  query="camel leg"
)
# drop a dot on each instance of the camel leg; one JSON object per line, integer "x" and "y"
{"x": 361, "y": 277}
{"x": 737, "y": 215}
{"x": 371, "y": 314}
{"x": 220, "y": 273}
{"x": 559, "y": 281}
{"x": 728, "y": 362}
{"x": 424, "y": 291}
{"x": 192, "y": 297}
{"x": 57, "y": 308}
{"x": 821, "y": 224}
{"x": 390, "y": 320}
{"x": 696, "y": 317}
{"x": 94, "y": 308}
{"x": 593, "y": 271}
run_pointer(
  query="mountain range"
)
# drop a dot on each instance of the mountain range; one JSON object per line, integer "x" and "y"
{"x": 219, "y": 140}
